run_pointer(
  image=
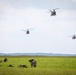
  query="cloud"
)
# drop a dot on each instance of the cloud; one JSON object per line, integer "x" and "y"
{"x": 33, "y": 17}
{"x": 74, "y": 1}
{"x": 62, "y": 1}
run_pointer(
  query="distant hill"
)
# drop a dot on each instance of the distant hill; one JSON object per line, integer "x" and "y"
{"x": 35, "y": 54}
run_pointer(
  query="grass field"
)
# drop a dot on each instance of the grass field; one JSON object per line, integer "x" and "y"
{"x": 45, "y": 66}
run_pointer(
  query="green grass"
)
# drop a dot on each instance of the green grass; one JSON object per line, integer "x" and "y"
{"x": 45, "y": 66}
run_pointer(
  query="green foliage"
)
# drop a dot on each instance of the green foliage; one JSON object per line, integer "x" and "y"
{"x": 45, "y": 66}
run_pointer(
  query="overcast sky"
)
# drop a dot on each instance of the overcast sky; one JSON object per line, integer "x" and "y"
{"x": 49, "y": 34}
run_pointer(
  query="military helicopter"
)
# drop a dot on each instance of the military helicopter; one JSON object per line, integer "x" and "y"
{"x": 53, "y": 12}
{"x": 27, "y": 30}
{"x": 73, "y": 37}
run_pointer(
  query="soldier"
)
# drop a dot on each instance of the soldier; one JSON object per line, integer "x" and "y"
{"x": 5, "y": 59}
{"x": 33, "y": 63}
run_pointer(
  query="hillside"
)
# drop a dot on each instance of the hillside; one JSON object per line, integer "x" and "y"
{"x": 35, "y": 54}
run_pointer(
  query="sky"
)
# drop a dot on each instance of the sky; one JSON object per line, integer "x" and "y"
{"x": 50, "y": 34}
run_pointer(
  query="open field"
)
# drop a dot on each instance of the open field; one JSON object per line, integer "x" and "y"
{"x": 45, "y": 66}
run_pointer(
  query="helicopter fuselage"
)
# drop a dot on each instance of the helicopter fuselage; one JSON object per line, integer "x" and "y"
{"x": 27, "y": 32}
{"x": 53, "y": 13}
{"x": 74, "y": 37}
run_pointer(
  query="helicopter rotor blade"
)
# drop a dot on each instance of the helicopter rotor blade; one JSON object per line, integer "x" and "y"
{"x": 70, "y": 36}
{"x": 56, "y": 9}
{"x": 47, "y": 12}
{"x": 31, "y": 28}
{"x": 50, "y": 10}
{"x": 23, "y": 30}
